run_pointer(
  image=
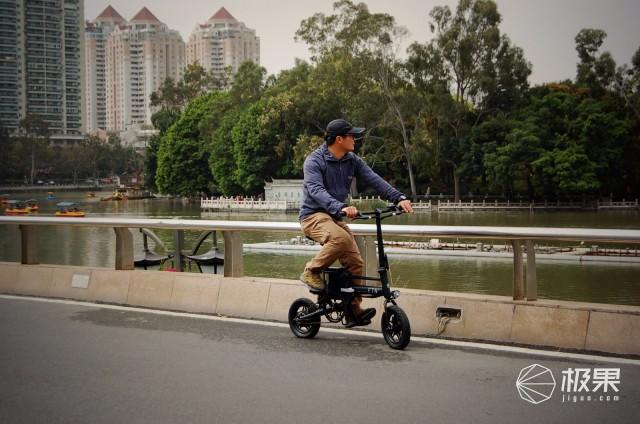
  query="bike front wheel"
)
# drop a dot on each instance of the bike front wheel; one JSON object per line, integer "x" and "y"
{"x": 303, "y": 328}
{"x": 395, "y": 327}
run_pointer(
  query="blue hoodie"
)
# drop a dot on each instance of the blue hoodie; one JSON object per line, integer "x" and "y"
{"x": 327, "y": 181}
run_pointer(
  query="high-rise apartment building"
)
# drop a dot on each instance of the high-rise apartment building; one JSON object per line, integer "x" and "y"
{"x": 223, "y": 42}
{"x": 139, "y": 56}
{"x": 41, "y": 57}
{"x": 96, "y": 35}
{"x": 11, "y": 63}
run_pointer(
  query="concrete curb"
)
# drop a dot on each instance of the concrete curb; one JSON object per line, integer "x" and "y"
{"x": 570, "y": 325}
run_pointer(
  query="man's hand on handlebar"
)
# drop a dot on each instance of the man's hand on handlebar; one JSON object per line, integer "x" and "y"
{"x": 350, "y": 211}
{"x": 405, "y": 205}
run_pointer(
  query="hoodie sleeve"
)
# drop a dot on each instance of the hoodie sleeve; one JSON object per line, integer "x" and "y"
{"x": 314, "y": 182}
{"x": 365, "y": 174}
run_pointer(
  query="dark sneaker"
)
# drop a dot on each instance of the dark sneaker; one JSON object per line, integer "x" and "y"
{"x": 362, "y": 318}
{"x": 313, "y": 280}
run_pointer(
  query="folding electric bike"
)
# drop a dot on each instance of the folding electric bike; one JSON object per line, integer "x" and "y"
{"x": 335, "y": 300}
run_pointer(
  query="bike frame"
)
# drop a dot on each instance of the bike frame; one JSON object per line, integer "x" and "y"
{"x": 383, "y": 263}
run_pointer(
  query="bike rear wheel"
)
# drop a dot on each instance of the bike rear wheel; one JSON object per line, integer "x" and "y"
{"x": 305, "y": 329}
{"x": 395, "y": 327}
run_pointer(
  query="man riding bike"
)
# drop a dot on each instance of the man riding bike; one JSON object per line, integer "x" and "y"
{"x": 328, "y": 174}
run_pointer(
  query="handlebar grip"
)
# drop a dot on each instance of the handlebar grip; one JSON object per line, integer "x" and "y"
{"x": 359, "y": 215}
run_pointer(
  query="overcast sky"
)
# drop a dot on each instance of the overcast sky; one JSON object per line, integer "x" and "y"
{"x": 545, "y": 29}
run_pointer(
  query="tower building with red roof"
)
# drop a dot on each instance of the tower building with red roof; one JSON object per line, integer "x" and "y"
{"x": 96, "y": 35}
{"x": 139, "y": 55}
{"x": 222, "y": 42}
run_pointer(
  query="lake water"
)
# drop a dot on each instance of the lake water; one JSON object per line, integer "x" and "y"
{"x": 603, "y": 283}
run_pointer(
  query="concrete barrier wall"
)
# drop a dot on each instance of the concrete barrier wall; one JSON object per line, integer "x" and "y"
{"x": 571, "y": 325}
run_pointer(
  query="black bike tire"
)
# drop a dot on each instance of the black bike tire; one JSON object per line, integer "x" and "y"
{"x": 304, "y": 332}
{"x": 395, "y": 327}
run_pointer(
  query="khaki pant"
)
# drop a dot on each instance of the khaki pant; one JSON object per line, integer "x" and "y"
{"x": 337, "y": 243}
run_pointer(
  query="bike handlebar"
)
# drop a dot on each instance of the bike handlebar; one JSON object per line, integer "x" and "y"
{"x": 391, "y": 211}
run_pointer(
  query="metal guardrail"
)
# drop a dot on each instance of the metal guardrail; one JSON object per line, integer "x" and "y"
{"x": 365, "y": 236}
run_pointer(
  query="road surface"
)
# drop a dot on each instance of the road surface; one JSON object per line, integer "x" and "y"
{"x": 67, "y": 362}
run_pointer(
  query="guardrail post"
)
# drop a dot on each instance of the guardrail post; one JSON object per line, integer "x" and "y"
{"x": 518, "y": 271}
{"x": 233, "y": 264}
{"x": 124, "y": 249}
{"x": 367, "y": 247}
{"x": 532, "y": 283}
{"x": 178, "y": 246}
{"x": 28, "y": 245}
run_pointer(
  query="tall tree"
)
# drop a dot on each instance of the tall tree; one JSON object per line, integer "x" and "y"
{"x": 183, "y": 155}
{"x": 6, "y": 149}
{"x": 358, "y": 50}
{"x": 222, "y": 163}
{"x": 253, "y": 151}
{"x": 169, "y": 101}
{"x": 35, "y": 137}
{"x": 248, "y": 83}
{"x": 596, "y": 71}
{"x": 472, "y": 71}
{"x": 628, "y": 85}
{"x": 174, "y": 96}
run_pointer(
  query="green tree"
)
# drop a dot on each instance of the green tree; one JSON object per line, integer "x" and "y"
{"x": 594, "y": 71}
{"x": 221, "y": 160}
{"x": 150, "y": 162}
{"x": 248, "y": 83}
{"x": 568, "y": 168}
{"x": 627, "y": 85}
{"x": 509, "y": 148}
{"x": 358, "y": 73}
{"x": 183, "y": 155}
{"x": 467, "y": 71}
{"x": 169, "y": 101}
{"x": 34, "y": 138}
{"x": 252, "y": 150}
{"x": 174, "y": 96}
{"x": 6, "y": 153}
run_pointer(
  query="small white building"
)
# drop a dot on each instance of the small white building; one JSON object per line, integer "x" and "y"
{"x": 287, "y": 190}
{"x": 138, "y": 136}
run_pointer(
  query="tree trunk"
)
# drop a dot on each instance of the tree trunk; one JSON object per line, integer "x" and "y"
{"x": 530, "y": 189}
{"x": 456, "y": 181}
{"x": 384, "y": 74}
{"x": 33, "y": 163}
{"x": 405, "y": 145}
{"x": 412, "y": 181}
{"x": 456, "y": 186}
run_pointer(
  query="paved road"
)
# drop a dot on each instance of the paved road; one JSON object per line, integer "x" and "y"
{"x": 73, "y": 363}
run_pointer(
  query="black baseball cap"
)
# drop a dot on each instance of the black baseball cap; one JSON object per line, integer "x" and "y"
{"x": 341, "y": 127}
